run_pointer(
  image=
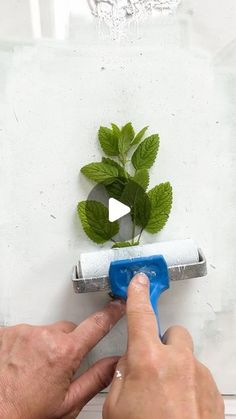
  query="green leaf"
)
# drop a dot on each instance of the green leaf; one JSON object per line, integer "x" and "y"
{"x": 145, "y": 155}
{"x": 131, "y": 192}
{"x": 95, "y": 222}
{"x": 142, "y": 178}
{"x": 139, "y": 136}
{"x": 108, "y": 141}
{"x": 137, "y": 199}
{"x": 121, "y": 172}
{"x": 116, "y": 130}
{"x": 115, "y": 189}
{"x": 100, "y": 172}
{"x": 161, "y": 201}
{"x": 142, "y": 211}
{"x": 126, "y": 138}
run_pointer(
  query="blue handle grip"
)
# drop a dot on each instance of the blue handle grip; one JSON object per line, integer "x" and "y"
{"x": 122, "y": 271}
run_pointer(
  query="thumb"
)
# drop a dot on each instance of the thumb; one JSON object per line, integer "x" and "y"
{"x": 84, "y": 388}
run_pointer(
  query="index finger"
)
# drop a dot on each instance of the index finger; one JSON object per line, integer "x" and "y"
{"x": 142, "y": 322}
{"x": 95, "y": 327}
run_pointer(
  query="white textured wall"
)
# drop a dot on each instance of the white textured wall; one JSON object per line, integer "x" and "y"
{"x": 178, "y": 76}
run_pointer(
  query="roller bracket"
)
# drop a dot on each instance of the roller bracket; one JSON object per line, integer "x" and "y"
{"x": 176, "y": 273}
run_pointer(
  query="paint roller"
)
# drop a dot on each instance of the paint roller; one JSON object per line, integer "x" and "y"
{"x": 112, "y": 270}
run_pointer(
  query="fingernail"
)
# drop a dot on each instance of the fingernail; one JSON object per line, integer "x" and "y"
{"x": 119, "y": 304}
{"x": 141, "y": 278}
{"x": 118, "y": 301}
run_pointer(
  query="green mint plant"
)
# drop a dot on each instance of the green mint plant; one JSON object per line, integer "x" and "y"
{"x": 150, "y": 209}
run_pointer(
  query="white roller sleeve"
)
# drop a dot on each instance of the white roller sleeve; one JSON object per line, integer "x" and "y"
{"x": 177, "y": 252}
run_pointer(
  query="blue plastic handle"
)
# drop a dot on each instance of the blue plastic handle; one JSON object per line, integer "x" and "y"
{"x": 155, "y": 267}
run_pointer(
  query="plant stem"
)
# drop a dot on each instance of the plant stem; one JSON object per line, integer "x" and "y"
{"x": 123, "y": 160}
{"x": 140, "y": 234}
{"x": 133, "y": 233}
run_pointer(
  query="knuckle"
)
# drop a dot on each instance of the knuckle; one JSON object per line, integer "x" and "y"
{"x": 183, "y": 362}
{"x": 152, "y": 365}
{"x": 70, "y": 348}
{"x": 101, "y": 379}
{"x": 100, "y": 322}
{"x": 22, "y": 328}
{"x": 61, "y": 353}
{"x": 64, "y": 349}
{"x": 140, "y": 309}
{"x": 46, "y": 337}
{"x": 178, "y": 329}
{"x": 146, "y": 361}
{"x": 188, "y": 356}
{"x": 180, "y": 333}
{"x": 188, "y": 362}
{"x": 23, "y": 332}
{"x": 49, "y": 343}
{"x": 182, "y": 355}
{"x": 64, "y": 324}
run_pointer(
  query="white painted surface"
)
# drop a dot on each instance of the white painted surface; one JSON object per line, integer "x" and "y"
{"x": 175, "y": 74}
{"x": 93, "y": 410}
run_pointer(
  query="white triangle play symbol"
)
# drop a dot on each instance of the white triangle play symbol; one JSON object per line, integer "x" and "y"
{"x": 117, "y": 209}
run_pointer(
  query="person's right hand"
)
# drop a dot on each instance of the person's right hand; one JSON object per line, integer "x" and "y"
{"x": 159, "y": 380}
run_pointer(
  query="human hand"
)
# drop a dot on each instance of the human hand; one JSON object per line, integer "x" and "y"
{"x": 37, "y": 365}
{"x": 156, "y": 380}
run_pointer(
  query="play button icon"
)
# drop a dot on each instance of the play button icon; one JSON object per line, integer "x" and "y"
{"x": 117, "y": 209}
{"x": 124, "y": 203}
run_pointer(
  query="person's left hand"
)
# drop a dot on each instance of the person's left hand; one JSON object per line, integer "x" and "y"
{"x": 37, "y": 366}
